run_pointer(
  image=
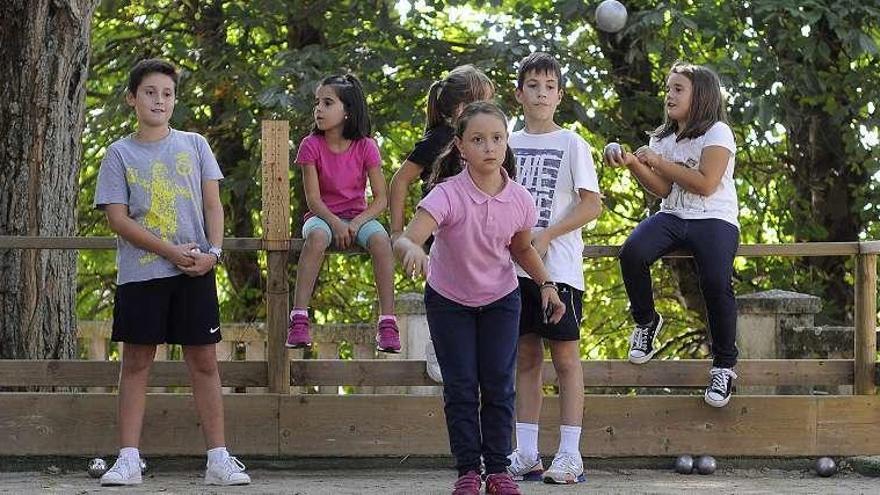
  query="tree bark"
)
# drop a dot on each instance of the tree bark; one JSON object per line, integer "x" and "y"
{"x": 44, "y": 47}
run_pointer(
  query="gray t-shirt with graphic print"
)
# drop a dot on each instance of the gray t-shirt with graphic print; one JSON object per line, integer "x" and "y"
{"x": 161, "y": 182}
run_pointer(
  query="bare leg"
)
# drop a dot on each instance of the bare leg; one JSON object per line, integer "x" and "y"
{"x": 379, "y": 246}
{"x": 201, "y": 360}
{"x": 136, "y": 362}
{"x": 310, "y": 260}
{"x": 567, "y": 362}
{"x": 529, "y": 363}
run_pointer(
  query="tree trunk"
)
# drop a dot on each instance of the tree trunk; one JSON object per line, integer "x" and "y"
{"x": 44, "y": 46}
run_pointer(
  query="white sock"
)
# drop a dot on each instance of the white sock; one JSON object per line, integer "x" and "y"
{"x": 569, "y": 439}
{"x": 218, "y": 454}
{"x": 527, "y": 439}
{"x": 299, "y": 311}
{"x": 387, "y": 317}
{"x": 130, "y": 453}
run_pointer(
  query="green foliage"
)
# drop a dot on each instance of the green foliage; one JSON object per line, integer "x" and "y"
{"x": 245, "y": 61}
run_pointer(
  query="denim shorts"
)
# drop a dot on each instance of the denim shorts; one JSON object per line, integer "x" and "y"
{"x": 363, "y": 235}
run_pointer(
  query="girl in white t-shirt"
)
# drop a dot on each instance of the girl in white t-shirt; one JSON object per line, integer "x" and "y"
{"x": 689, "y": 164}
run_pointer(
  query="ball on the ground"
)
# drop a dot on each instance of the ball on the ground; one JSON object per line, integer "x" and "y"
{"x": 684, "y": 464}
{"x": 610, "y": 16}
{"x": 144, "y": 467}
{"x": 97, "y": 467}
{"x": 613, "y": 151}
{"x": 825, "y": 467}
{"x": 705, "y": 464}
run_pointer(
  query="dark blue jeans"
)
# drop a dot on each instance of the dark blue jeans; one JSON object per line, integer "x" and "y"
{"x": 713, "y": 244}
{"x": 476, "y": 350}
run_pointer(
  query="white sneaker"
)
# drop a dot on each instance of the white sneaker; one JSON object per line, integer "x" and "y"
{"x": 565, "y": 469}
{"x": 431, "y": 365}
{"x": 226, "y": 473}
{"x": 123, "y": 473}
{"x": 522, "y": 469}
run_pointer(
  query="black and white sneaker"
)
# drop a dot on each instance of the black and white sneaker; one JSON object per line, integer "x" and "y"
{"x": 641, "y": 342}
{"x": 720, "y": 388}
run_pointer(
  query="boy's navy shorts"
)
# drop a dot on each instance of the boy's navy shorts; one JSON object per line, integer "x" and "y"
{"x": 171, "y": 310}
{"x": 531, "y": 319}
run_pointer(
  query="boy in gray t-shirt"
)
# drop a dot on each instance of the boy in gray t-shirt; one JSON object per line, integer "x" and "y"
{"x": 159, "y": 188}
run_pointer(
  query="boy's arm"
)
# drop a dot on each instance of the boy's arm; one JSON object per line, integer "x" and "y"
{"x": 213, "y": 209}
{"x": 136, "y": 234}
{"x": 400, "y": 182}
{"x": 379, "y": 203}
{"x": 587, "y": 210}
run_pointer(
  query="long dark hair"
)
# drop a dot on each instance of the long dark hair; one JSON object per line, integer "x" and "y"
{"x": 451, "y": 163}
{"x": 350, "y": 92}
{"x": 707, "y": 103}
{"x": 462, "y": 85}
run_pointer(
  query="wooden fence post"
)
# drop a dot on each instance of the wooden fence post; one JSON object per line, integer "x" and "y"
{"x": 276, "y": 240}
{"x": 865, "y": 341}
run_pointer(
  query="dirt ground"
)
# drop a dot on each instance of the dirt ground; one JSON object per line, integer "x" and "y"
{"x": 425, "y": 481}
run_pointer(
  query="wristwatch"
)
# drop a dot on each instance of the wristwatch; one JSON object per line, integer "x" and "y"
{"x": 218, "y": 252}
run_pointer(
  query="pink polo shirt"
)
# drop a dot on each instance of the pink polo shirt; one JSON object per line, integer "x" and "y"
{"x": 470, "y": 258}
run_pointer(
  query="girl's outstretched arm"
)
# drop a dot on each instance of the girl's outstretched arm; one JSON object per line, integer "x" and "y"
{"x": 408, "y": 246}
{"x": 400, "y": 183}
{"x": 702, "y": 180}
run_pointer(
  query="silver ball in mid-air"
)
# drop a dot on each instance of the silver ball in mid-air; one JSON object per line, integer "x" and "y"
{"x": 705, "y": 464}
{"x": 613, "y": 151}
{"x": 144, "y": 467}
{"x": 825, "y": 467}
{"x": 684, "y": 464}
{"x": 611, "y": 16}
{"x": 97, "y": 467}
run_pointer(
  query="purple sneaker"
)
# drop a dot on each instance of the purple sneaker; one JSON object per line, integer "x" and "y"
{"x": 388, "y": 337}
{"x": 298, "y": 332}
{"x": 468, "y": 484}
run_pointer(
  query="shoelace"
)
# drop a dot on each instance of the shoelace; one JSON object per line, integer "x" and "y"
{"x": 568, "y": 462}
{"x": 237, "y": 465}
{"x": 721, "y": 378}
{"x": 640, "y": 338}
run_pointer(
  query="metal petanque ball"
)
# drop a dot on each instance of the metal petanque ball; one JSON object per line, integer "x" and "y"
{"x": 613, "y": 151}
{"x": 610, "y": 16}
{"x": 97, "y": 467}
{"x": 684, "y": 464}
{"x": 705, "y": 464}
{"x": 825, "y": 467}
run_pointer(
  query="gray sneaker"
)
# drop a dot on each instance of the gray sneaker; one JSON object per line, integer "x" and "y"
{"x": 432, "y": 367}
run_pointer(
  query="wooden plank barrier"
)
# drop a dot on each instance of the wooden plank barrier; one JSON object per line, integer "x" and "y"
{"x": 396, "y": 425}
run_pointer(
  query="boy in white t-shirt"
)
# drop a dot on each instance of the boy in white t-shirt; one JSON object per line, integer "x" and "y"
{"x": 555, "y": 165}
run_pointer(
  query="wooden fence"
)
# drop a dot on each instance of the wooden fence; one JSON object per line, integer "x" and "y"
{"x": 280, "y": 421}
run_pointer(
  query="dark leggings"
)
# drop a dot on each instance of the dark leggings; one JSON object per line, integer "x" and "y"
{"x": 713, "y": 243}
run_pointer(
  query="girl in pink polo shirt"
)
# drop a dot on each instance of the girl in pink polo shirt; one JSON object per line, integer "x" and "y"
{"x": 481, "y": 220}
{"x": 337, "y": 158}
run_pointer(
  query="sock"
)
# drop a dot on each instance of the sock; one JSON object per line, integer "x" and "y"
{"x": 298, "y": 311}
{"x": 527, "y": 440}
{"x": 218, "y": 454}
{"x": 569, "y": 439}
{"x": 130, "y": 453}
{"x": 387, "y": 317}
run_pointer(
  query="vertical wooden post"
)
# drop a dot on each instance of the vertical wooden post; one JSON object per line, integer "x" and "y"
{"x": 276, "y": 240}
{"x": 865, "y": 351}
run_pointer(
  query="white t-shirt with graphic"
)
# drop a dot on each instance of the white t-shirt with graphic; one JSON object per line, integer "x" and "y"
{"x": 554, "y": 167}
{"x": 723, "y": 203}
